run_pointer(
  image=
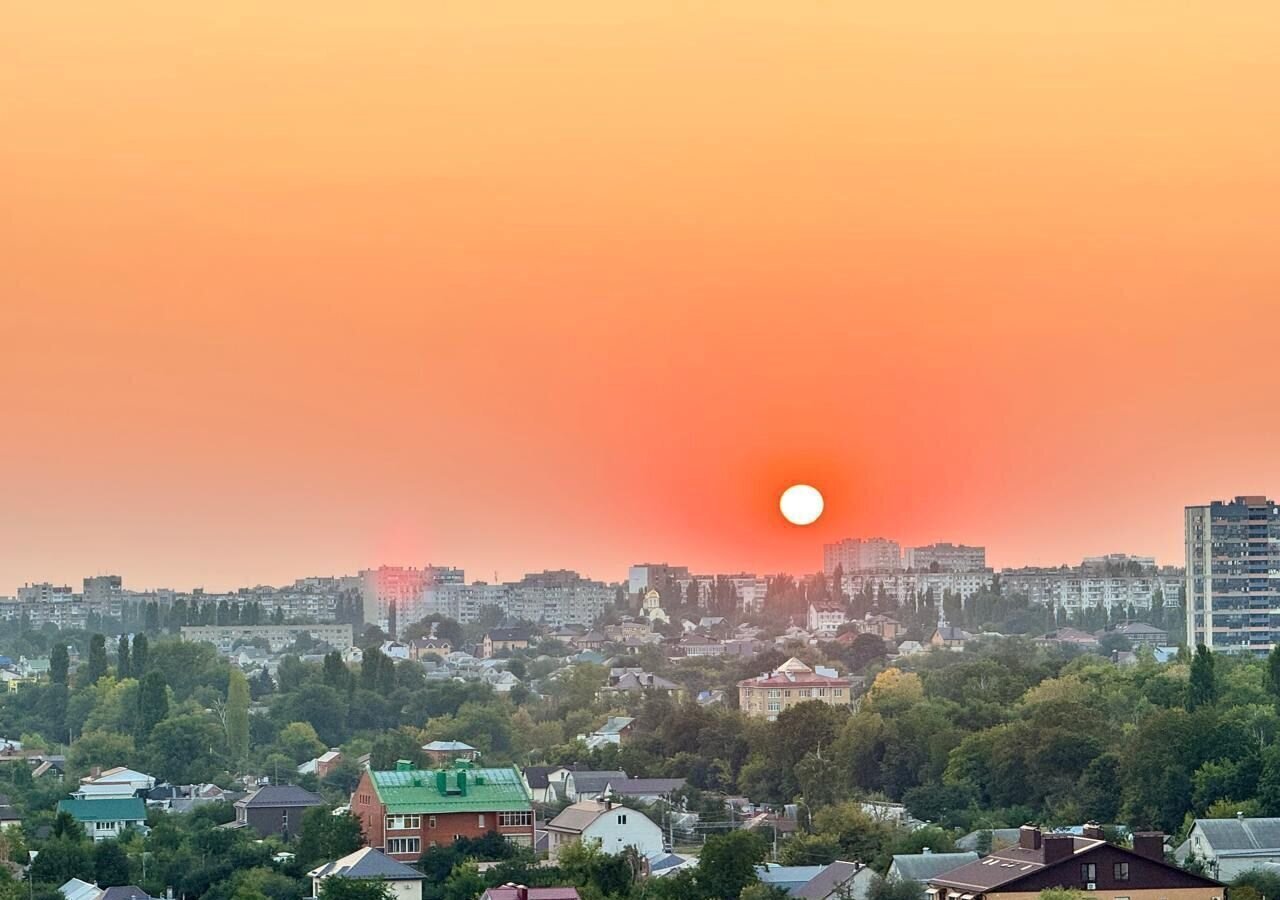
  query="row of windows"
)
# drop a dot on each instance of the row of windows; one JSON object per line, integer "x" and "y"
{"x": 414, "y": 822}
{"x": 1089, "y": 872}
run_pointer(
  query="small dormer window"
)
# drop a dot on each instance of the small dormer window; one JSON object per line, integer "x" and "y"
{"x": 622, "y": 819}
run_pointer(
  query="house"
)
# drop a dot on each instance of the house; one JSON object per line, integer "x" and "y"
{"x": 587, "y": 785}
{"x": 545, "y": 783}
{"x": 106, "y": 818}
{"x": 406, "y": 810}
{"x": 1085, "y": 863}
{"x": 75, "y": 889}
{"x": 429, "y": 646}
{"x": 616, "y": 731}
{"x": 1069, "y": 637}
{"x": 181, "y": 798}
{"x": 404, "y": 881}
{"x": 394, "y": 650}
{"x": 592, "y": 640}
{"x": 837, "y": 880}
{"x": 699, "y": 645}
{"x": 948, "y": 637}
{"x": 923, "y": 867}
{"x": 114, "y": 784}
{"x": 124, "y": 892}
{"x": 1140, "y": 634}
{"x": 322, "y": 765}
{"x": 884, "y": 627}
{"x": 1229, "y": 847}
{"x": 793, "y": 682}
{"x": 275, "y": 809}
{"x": 636, "y": 681}
{"x": 503, "y": 640}
{"x": 825, "y": 617}
{"x": 613, "y": 827}
{"x": 643, "y": 790}
{"x": 520, "y": 892}
{"x": 443, "y": 754}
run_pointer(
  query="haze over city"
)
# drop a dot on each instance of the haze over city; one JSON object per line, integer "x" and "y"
{"x": 291, "y": 293}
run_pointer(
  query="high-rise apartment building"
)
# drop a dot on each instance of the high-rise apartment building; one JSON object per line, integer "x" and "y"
{"x": 1233, "y": 575}
{"x": 945, "y": 558}
{"x": 862, "y": 555}
{"x": 403, "y": 587}
{"x": 644, "y": 576}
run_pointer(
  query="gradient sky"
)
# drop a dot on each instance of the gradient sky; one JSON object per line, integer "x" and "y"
{"x": 295, "y": 288}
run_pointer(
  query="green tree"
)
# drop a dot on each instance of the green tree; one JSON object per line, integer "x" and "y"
{"x": 59, "y": 662}
{"x": 153, "y": 703}
{"x": 299, "y": 742}
{"x": 141, "y": 655}
{"x": 110, "y": 864}
{"x": 122, "y": 657}
{"x": 464, "y": 883}
{"x": 237, "y": 717}
{"x": 894, "y": 889}
{"x": 339, "y": 888}
{"x": 1202, "y": 687}
{"x": 100, "y": 748}
{"x": 97, "y": 665}
{"x": 728, "y": 863}
{"x": 62, "y": 859}
{"x": 325, "y": 836}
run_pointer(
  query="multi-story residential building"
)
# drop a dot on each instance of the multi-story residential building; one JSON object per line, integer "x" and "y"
{"x": 900, "y": 587}
{"x": 793, "y": 682}
{"x": 278, "y": 637}
{"x": 644, "y": 576}
{"x": 751, "y": 591}
{"x": 861, "y": 554}
{"x": 558, "y": 598}
{"x": 45, "y": 592}
{"x": 945, "y": 558}
{"x": 462, "y": 602}
{"x": 1233, "y": 574}
{"x": 402, "y": 587}
{"x": 1075, "y": 588}
{"x": 825, "y": 617}
{"x": 406, "y": 811}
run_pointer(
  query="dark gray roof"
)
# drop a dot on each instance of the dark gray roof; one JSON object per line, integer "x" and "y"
{"x": 537, "y": 775}
{"x": 279, "y": 795}
{"x": 368, "y": 863}
{"x": 644, "y": 787}
{"x": 595, "y": 782}
{"x": 1254, "y": 835}
{"x": 924, "y": 866}
{"x": 124, "y": 892}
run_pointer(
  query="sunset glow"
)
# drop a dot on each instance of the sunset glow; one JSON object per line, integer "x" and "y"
{"x": 305, "y": 287}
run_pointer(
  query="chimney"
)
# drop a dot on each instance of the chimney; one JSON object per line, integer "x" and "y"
{"x": 1149, "y": 844}
{"x": 403, "y": 765}
{"x": 1239, "y": 816}
{"x": 1058, "y": 847}
{"x": 1029, "y": 837}
{"x": 926, "y": 851}
{"x": 1093, "y": 831}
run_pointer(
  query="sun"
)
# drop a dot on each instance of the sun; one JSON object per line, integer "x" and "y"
{"x": 801, "y": 504}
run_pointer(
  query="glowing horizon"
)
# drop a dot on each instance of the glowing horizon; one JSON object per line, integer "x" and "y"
{"x": 304, "y": 289}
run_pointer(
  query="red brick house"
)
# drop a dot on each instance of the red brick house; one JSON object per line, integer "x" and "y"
{"x": 406, "y": 811}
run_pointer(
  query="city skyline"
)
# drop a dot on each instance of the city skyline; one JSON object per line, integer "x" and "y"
{"x": 340, "y": 285}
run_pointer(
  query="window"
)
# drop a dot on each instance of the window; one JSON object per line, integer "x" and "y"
{"x": 404, "y": 823}
{"x": 480, "y": 820}
{"x": 622, "y": 820}
{"x": 1121, "y": 872}
{"x": 431, "y": 821}
{"x": 1088, "y": 872}
{"x": 404, "y": 845}
{"x": 515, "y": 819}
{"x": 520, "y": 840}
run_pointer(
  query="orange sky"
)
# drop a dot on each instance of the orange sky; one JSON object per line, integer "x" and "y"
{"x": 292, "y": 288}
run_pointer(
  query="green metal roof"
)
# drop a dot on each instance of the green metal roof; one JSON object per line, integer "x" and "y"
{"x": 130, "y": 809}
{"x": 465, "y": 790}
